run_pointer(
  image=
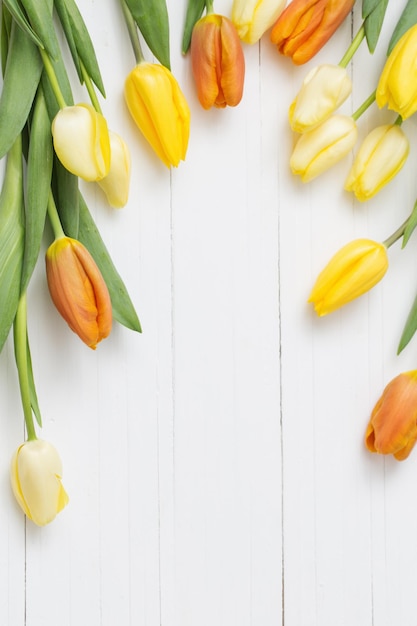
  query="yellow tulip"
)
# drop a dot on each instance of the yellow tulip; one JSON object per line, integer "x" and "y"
{"x": 217, "y": 61}
{"x": 352, "y": 271}
{"x": 380, "y": 157}
{"x": 323, "y": 90}
{"x": 323, "y": 146}
{"x": 160, "y": 110}
{"x": 252, "y": 18}
{"x": 116, "y": 184}
{"x": 392, "y": 428}
{"x": 397, "y": 86}
{"x": 81, "y": 141}
{"x": 78, "y": 290}
{"x": 36, "y": 472}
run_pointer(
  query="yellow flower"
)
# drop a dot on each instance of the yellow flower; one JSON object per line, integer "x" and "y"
{"x": 116, "y": 184}
{"x": 380, "y": 157}
{"x": 320, "y": 148}
{"x": 35, "y": 473}
{"x": 352, "y": 271}
{"x": 81, "y": 141}
{"x": 218, "y": 63}
{"x": 160, "y": 110}
{"x": 323, "y": 90}
{"x": 253, "y": 18}
{"x": 397, "y": 86}
{"x": 392, "y": 428}
{"x": 78, "y": 290}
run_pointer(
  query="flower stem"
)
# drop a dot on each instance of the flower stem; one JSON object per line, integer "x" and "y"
{"x": 90, "y": 88}
{"x": 396, "y": 234}
{"x": 53, "y": 79}
{"x": 133, "y": 33}
{"x": 21, "y": 352}
{"x": 357, "y": 40}
{"x": 54, "y": 218}
{"x": 209, "y": 6}
{"x": 365, "y": 105}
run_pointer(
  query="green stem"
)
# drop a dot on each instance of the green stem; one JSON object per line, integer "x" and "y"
{"x": 398, "y": 121}
{"x": 133, "y": 33}
{"x": 52, "y": 79}
{"x": 20, "y": 342}
{"x": 397, "y": 234}
{"x": 90, "y": 88}
{"x": 54, "y": 218}
{"x": 365, "y": 105}
{"x": 357, "y": 40}
{"x": 209, "y": 7}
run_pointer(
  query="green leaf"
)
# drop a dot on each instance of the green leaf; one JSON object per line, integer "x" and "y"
{"x": 407, "y": 19}
{"x": 411, "y": 224}
{"x": 39, "y": 173}
{"x": 195, "y": 10}
{"x": 67, "y": 199}
{"x": 123, "y": 309}
{"x": 21, "y": 79}
{"x": 373, "y": 13}
{"x": 409, "y": 328}
{"x": 151, "y": 16}
{"x": 39, "y": 13}
{"x": 20, "y": 18}
{"x": 79, "y": 41}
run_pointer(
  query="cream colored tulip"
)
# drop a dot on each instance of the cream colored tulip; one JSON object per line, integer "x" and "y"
{"x": 81, "y": 141}
{"x": 252, "y": 18}
{"x": 323, "y": 90}
{"x": 116, "y": 184}
{"x": 380, "y": 157}
{"x": 36, "y": 472}
{"x": 318, "y": 149}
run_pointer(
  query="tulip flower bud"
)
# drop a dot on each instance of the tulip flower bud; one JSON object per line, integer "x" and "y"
{"x": 217, "y": 61}
{"x": 35, "y": 473}
{"x": 160, "y": 110}
{"x": 78, "y": 290}
{"x": 116, "y": 184}
{"x": 304, "y": 26}
{"x": 323, "y": 146}
{"x": 81, "y": 141}
{"x": 380, "y": 157}
{"x": 351, "y": 272}
{"x": 323, "y": 90}
{"x": 397, "y": 86}
{"x": 392, "y": 428}
{"x": 252, "y": 18}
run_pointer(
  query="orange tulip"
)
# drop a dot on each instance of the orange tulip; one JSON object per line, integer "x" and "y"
{"x": 78, "y": 290}
{"x": 217, "y": 61}
{"x": 305, "y": 26}
{"x": 392, "y": 428}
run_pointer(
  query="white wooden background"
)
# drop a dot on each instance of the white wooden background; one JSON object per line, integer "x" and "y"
{"x": 215, "y": 464}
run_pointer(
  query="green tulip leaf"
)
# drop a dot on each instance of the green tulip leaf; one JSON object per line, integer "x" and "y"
{"x": 66, "y": 193}
{"x": 409, "y": 328}
{"x": 195, "y": 10}
{"x": 20, "y": 18}
{"x": 79, "y": 42}
{"x": 151, "y": 17}
{"x": 21, "y": 79}
{"x": 410, "y": 226}
{"x": 123, "y": 309}
{"x": 38, "y": 187}
{"x": 39, "y": 13}
{"x": 373, "y": 14}
{"x": 60, "y": 72}
{"x": 407, "y": 19}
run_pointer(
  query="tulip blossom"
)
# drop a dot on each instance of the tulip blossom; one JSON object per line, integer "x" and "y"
{"x": 323, "y": 146}
{"x": 35, "y": 473}
{"x": 160, "y": 110}
{"x": 397, "y": 86}
{"x": 352, "y": 271}
{"x": 116, "y": 184}
{"x": 253, "y": 17}
{"x": 392, "y": 428}
{"x": 323, "y": 90}
{"x": 78, "y": 290}
{"x": 217, "y": 61}
{"x": 81, "y": 141}
{"x": 304, "y": 26}
{"x": 380, "y": 157}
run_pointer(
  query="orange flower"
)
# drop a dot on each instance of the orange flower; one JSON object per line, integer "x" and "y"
{"x": 78, "y": 290}
{"x": 305, "y": 26}
{"x": 217, "y": 62}
{"x": 392, "y": 428}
